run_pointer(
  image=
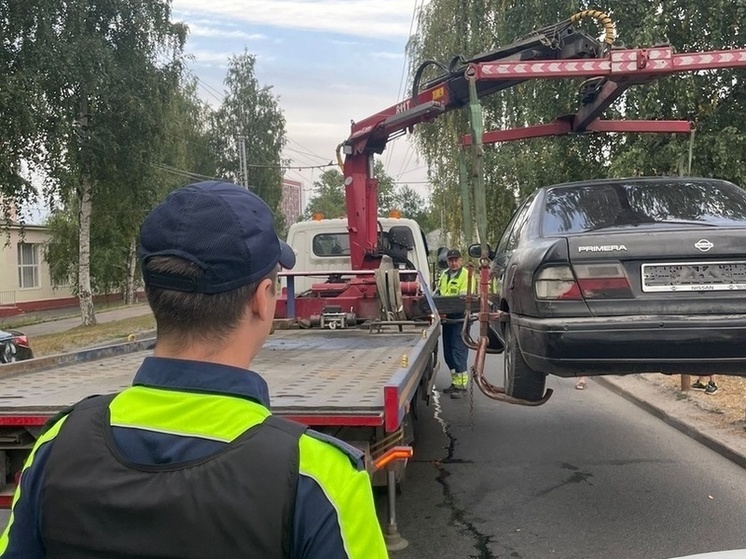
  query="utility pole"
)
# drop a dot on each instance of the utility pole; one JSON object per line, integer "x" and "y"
{"x": 242, "y": 163}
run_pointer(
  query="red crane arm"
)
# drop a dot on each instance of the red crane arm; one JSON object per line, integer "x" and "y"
{"x": 579, "y": 56}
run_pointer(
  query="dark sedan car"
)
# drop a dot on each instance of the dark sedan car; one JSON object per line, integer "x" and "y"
{"x": 14, "y": 346}
{"x": 623, "y": 276}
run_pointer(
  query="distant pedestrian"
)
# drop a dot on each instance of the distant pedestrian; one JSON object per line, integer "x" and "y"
{"x": 710, "y": 387}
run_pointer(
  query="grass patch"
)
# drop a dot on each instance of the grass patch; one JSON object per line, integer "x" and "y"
{"x": 86, "y": 336}
{"x": 20, "y": 321}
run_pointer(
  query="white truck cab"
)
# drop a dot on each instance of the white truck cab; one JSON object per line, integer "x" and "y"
{"x": 324, "y": 244}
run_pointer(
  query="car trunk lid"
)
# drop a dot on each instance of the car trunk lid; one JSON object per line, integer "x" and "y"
{"x": 670, "y": 269}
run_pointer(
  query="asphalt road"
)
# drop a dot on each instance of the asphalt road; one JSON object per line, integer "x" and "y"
{"x": 587, "y": 475}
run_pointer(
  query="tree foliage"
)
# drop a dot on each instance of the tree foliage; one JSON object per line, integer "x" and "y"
{"x": 250, "y": 111}
{"x": 118, "y": 209}
{"x": 713, "y": 100}
{"x": 329, "y": 198}
{"x": 99, "y": 77}
{"x": 95, "y": 98}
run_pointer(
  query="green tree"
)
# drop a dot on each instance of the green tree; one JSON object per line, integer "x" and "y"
{"x": 714, "y": 100}
{"x": 250, "y": 115}
{"x": 329, "y": 196}
{"x": 19, "y": 99}
{"x": 118, "y": 211}
{"x": 447, "y": 28}
{"x": 414, "y": 206}
{"x": 387, "y": 193}
{"x": 100, "y": 74}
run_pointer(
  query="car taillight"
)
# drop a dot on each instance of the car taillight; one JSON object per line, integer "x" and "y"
{"x": 20, "y": 340}
{"x": 589, "y": 281}
{"x": 603, "y": 281}
{"x": 556, "y": 282}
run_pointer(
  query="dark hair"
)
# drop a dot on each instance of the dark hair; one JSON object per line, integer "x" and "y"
{"x": 183, "y": 317}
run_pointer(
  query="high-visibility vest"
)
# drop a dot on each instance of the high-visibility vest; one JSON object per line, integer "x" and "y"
{"x": 149, "y": 515}
{"x": 455, "y": 285}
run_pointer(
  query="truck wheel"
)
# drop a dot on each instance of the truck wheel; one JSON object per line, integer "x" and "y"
{"x": 521, "y": 381}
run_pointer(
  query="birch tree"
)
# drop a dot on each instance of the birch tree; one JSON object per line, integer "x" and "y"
{"x": 94, "y": 68}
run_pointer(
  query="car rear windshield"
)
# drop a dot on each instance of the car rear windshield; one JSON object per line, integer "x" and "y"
{"x": 587, "y": 207}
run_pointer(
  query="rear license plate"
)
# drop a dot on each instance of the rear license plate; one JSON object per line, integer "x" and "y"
{"x": 688, "y": 276}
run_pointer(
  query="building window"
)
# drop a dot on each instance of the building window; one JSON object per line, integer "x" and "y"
{"x": 28, "y": 265}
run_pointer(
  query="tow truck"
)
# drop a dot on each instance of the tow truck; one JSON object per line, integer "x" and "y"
{"x": 356, "y": 354}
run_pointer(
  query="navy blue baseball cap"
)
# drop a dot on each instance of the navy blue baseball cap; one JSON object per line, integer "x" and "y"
{"x": 224, "y": 229}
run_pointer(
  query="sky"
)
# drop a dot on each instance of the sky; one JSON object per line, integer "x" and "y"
{"x": 328, "y": 62}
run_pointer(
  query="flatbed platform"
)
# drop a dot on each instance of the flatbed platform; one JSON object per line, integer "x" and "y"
{"x": 319, "y": 376}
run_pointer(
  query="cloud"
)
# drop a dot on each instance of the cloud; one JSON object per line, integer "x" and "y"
{"x": 388, "y": 55}
{"x": 198, "y": 30}
{"x": 210, "y": 58}
{"x": 366, "y": 18}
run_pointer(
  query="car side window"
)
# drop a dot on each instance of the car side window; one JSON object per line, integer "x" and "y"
{"x": 512, "y": 234}
{"x": 510, "y": 238}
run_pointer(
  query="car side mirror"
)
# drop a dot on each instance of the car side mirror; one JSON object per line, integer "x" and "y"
{"x": 475, "y": 251}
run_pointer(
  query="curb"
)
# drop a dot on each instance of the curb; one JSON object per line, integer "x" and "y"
{"x": 712, "y": 442}
{"x": 43, "y": 363}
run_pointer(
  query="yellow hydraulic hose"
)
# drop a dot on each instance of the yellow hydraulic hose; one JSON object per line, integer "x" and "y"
{"x": 340, "y": 163}
{"x": 602, "y": 18}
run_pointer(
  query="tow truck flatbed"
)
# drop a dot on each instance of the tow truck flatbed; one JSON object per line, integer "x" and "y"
{"x": 316, "y": 376}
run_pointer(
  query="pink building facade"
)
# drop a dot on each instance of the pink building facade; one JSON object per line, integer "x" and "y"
{"x": 291, "y": 204}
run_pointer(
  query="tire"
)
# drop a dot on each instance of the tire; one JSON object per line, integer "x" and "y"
{"x": 8, "y": 352}
{"x": 521, "y": 381}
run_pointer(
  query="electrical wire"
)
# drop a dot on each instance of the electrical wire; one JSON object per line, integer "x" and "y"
{"x": 296, "y": 167}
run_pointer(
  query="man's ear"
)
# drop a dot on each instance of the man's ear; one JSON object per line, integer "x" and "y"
{"x": 263, "y": 303}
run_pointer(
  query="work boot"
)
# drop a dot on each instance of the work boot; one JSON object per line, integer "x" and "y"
{"x": 458, "y": 392}
{"x": 450, "y": 390}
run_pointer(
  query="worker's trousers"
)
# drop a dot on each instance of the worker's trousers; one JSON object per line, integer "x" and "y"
{"x": 454, "y": 349}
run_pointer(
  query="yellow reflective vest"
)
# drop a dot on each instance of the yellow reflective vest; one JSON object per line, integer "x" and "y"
{"x": 455, "y": 285}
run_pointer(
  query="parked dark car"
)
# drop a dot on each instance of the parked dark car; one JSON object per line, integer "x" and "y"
{"x": 14, "y": 346}
{"x": 623, "y": 276}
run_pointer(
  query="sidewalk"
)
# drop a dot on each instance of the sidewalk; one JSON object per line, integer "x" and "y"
{"x": 682, "y": 413}
{"x": 55, "y": 326}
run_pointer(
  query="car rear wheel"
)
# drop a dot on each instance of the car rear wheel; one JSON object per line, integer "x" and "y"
{"x": 8, "y": 352}
{"x": 521, "y": 381}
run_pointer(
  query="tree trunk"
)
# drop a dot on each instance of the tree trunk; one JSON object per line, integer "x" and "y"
{"x": 85, "y": 295}
{"x": 85, "y": 203}
{"x": 129, "y": 293}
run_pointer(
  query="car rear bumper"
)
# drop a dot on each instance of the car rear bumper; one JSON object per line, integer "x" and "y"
{"x": 630, "y": 344}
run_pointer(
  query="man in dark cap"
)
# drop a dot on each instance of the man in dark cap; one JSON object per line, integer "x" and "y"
{"x": 189, "y": 462}
{"x": 453, "y": 282}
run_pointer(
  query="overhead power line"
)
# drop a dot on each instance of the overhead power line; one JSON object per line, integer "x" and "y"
{"x": 296, "y": 167}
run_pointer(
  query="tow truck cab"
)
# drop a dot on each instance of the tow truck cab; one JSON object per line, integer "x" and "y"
{"x": 324, "y": 244}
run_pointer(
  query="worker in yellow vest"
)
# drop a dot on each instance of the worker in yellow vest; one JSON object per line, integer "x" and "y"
{"x": 454, "y": 282}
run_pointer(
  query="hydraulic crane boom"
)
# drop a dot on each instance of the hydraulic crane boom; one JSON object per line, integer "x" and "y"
{"x": 447, "y": 92}
{"x": 555, "y": 52}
